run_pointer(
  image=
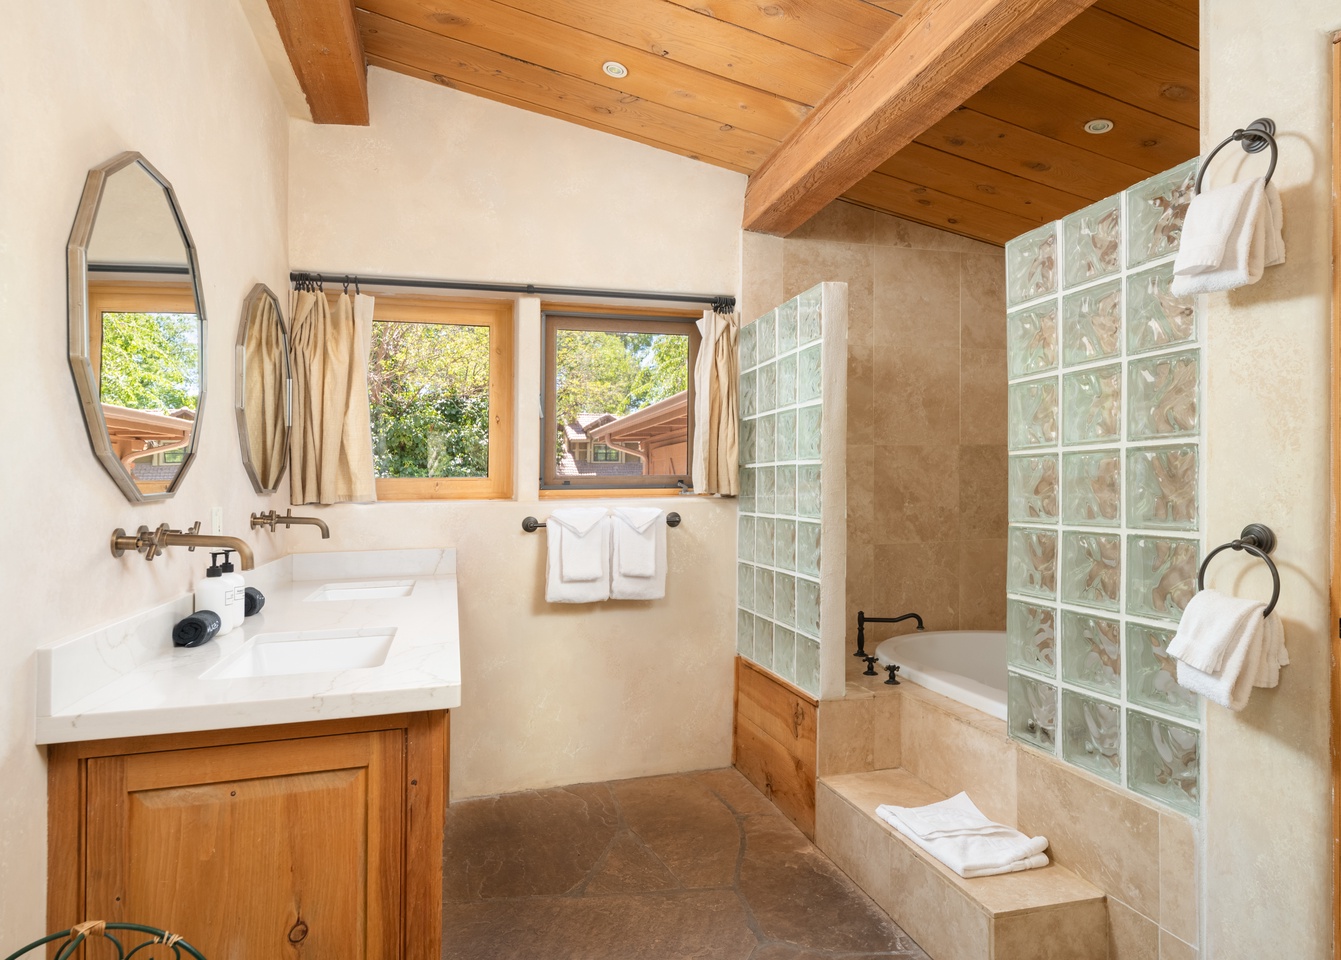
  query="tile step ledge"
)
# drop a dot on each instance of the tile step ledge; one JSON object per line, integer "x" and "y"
{"x": 1044, "y": 914}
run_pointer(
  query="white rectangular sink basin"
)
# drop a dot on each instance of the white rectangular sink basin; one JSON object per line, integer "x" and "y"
{"x": 364, "y": 590}
{"x": 316, "y": 651}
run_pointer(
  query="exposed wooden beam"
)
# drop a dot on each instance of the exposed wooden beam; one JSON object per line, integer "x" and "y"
{"x": 930, "y": 62}
{"x": 323, "y": 44}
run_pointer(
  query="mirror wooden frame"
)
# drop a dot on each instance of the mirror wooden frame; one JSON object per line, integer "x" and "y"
{"x": 240, "y": 387}
{"x": 81, "y": 364}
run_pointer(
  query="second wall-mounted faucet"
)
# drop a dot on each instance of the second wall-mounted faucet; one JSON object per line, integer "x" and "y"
{"x": 272, "y": 517}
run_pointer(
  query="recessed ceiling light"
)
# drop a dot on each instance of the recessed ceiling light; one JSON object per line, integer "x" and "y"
{"x": 614, "y": 68}
{"x": 1099, "y": 126}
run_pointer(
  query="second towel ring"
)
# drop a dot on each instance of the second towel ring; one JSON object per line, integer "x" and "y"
{"x": 1256, "y": 137}
{"x": 1258, "y": 540}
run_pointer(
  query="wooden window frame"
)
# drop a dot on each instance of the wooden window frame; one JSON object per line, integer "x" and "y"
{"x": 500, "y": 317}
{"x": 1335, "y": 579}
{"x": 126, "y": 296}
{"x": 565, "y": 316}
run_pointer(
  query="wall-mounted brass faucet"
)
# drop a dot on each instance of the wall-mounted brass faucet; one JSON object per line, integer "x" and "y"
{"x": 152, "y": 542}
{"x": 272, "y": 517}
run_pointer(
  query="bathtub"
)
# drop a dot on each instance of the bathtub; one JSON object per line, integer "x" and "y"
{"x": 965, "y": 665}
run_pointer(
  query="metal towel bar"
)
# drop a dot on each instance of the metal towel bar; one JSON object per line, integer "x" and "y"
{"x": 531, "y": 524}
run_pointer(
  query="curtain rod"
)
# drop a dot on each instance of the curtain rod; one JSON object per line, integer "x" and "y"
{"x": 721, "y": 303}
{"x": 157, "y": 268}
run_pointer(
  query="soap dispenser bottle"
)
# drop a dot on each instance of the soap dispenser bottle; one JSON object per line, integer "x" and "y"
{"x": 237, "y": 587}
{"x": 212, "y": 593}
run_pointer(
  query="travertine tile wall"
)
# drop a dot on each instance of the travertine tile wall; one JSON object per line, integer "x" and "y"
{"x": 926, "y": 436}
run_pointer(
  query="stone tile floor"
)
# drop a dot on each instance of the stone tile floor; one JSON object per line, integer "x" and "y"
{"x": 696, "y": 865}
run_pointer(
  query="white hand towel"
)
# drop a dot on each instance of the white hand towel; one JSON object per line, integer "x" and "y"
{"x": 583, "y": 533}
{"x": 1254, "y": 662}
{"x": 626, "y": 587}
{"x": 976, "y": 847}
{"x": 636, "y": 541}
{"x": 560, "y": 589}
{"x": 1229, "y": 236}
{"x": 1212, "y": 625}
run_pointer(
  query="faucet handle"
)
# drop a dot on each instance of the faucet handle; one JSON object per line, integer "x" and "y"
{"x": 156, "y": 541}
{"x": 193, "y": 529}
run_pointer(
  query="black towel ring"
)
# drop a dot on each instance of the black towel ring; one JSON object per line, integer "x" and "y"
{"x": 1258, "y": 540}
{"x": 1256, "y": 137}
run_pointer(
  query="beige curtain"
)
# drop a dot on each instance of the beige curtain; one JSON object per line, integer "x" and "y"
{"x": 330, "y": 441}
{"x": 716, "y": 462}
{"x": 263, "y": 392}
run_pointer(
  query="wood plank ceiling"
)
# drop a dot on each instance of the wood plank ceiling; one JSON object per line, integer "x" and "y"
{"x": 724, "y": 81}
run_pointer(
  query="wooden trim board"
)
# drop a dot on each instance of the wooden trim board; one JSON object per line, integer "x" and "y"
{"x": 774, "y": 741}
{"x": 1336, "y": 494}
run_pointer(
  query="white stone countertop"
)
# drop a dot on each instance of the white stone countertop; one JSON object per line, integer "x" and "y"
{"x": 127, "y": 679}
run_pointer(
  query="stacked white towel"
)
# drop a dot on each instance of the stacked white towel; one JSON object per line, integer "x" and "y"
{"x": 956, "y": 833}
{"x": 638, "y": 567}
{"x": 1229, "y": 235}
{"x": 578, "y": 558}
{"x": 1225, "y": 647}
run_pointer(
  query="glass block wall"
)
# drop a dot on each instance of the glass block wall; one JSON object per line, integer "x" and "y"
{"x": 778, "y": 569}
{"x": 1104, "y": 435}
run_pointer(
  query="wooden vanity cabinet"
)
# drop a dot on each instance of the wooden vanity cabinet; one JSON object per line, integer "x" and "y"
{"x": 319, "y": 840}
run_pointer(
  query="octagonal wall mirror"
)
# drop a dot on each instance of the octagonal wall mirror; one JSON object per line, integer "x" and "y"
{"x": 137, "y": 327}
{"x": 263, "y": 389}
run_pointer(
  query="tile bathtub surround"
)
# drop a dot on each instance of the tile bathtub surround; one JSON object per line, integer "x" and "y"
{"x": 1105, "y": 465}
{"x": 693, "y": 865}
{"x": 926, "y": 368}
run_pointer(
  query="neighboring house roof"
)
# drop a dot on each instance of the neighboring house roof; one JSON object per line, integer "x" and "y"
{"x": 577, "y": 428}
{"x": 663, "y": 420}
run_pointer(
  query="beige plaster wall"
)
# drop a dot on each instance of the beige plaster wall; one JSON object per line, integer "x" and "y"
{"x": 446, "y": 185}
{"x": 184, "y": 84}
{"x": 451, "y": 186}
{"x": 926, "y": 454}
{"x": 1268, "y": 883}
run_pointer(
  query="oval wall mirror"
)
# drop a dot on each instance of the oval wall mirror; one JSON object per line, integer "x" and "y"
{"x": 137, "y": 327}
{"x": 263, "y": 389}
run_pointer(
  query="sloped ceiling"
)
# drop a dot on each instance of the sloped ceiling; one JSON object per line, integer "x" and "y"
{"x": 724, "y": 81}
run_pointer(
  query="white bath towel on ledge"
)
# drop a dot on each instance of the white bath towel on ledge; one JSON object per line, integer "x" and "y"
{"x": 956, "y": 833}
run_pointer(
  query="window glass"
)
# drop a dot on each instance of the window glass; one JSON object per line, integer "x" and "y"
{"x": 440, "y": 398}
{"x": 428, "y": 390}
{"x": 619, "y": 400}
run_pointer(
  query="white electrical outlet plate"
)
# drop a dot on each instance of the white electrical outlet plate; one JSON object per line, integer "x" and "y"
{"x": 216, "y": 520}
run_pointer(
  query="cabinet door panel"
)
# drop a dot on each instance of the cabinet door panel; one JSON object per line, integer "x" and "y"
{"x": 278, "y": 849}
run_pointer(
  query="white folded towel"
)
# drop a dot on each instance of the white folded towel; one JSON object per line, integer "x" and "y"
{"x": 636, "y": 541}
{"x": 1211, "y": 626}
{"x": 1229, "y": 235}
{"x": 956, "y": 833}
{"x": 638, "y": 567}
{"x": 1253, "y": 658}
{"x": 577, "y": 568}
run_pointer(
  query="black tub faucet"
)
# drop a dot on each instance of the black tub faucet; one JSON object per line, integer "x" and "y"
{"x": 862, "y": 620}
